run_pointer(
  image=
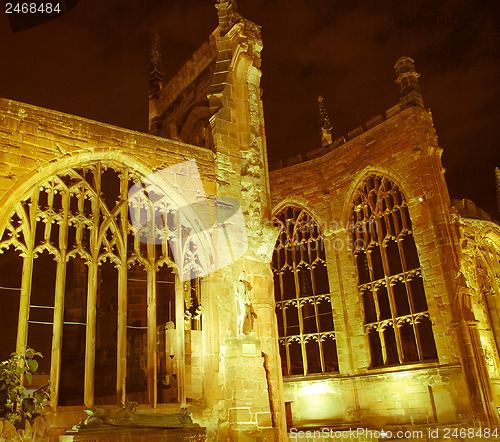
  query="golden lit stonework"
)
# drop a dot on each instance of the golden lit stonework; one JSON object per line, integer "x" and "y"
{"x": 175, "y": 273}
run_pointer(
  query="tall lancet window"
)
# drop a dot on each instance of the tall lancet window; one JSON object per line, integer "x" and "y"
{"x": 397, "y": 321}
{"x": 302, "y": 294}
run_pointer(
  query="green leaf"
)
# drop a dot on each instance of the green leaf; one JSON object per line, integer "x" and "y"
{"x": 32, "y": 364}
{"x": 29, "y": 376}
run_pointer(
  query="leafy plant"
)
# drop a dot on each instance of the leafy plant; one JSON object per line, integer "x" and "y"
{"x": 13, "y": 405}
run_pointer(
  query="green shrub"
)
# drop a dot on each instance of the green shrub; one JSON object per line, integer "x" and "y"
{"x": 13, "y": 405}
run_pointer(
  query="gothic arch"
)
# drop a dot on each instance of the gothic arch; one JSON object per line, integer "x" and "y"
{"x": 359, "y": 179}
{"x": 390, "y": 284}
{"x": 75, "y": 159}
{"x": 75, "y": 215}
{"x": 301, "y": 202}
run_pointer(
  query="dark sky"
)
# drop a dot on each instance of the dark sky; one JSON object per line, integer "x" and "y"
{"x": 93, "y": 62}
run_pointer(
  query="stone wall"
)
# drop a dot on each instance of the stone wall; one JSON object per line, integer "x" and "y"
{"x": 36, "y": 142}
{"x": 403, "y": 148}
{"x": 182, "y": 106}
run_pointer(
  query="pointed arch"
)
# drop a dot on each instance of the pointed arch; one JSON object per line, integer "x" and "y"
{"x": 78, "y": 212}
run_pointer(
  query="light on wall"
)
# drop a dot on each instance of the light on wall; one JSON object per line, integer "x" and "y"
{"x": 314, "y": 388}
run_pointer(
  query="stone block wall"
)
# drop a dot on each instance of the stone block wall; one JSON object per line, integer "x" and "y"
{"x": 183, "y": 103}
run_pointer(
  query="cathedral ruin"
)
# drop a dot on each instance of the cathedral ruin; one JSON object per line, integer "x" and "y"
{"x": 355, "y": 293}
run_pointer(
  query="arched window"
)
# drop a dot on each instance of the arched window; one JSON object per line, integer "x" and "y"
{"x": 488, "y": 278}
{"x": 107, "y": 311}
{"x": 302, "y": 294}
{"x": 397, "y": 321}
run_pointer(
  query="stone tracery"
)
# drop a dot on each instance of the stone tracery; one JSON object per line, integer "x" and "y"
{"x": 89, "y": 279}
{"x": 397, "y": 320}
{"x": 302, "y": 293}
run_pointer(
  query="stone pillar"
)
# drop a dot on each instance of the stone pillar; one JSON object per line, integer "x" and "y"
{"x": 266, "y": 328}
{"x": 254, "y": 409}
{"x": 473, "y": 365}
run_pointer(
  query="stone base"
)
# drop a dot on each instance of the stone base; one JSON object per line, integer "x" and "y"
{"x": 197, "y": 434}
{"x": 247, "y": 395}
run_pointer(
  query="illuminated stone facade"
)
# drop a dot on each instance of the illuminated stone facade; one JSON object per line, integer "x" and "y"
{"x": 374, "y": 299}
{"x": 413, "y": 281}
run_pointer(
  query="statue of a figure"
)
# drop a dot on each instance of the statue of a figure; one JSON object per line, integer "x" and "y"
{"x": 243, "y": 305}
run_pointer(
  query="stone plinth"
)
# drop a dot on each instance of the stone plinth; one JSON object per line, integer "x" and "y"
{"x": 136, "y": 434}
{"x": 247, "y": 394}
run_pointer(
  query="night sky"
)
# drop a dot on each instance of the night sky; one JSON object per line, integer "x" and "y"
{"x": 94, "y": 61}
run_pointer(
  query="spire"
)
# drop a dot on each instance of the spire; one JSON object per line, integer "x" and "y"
{"x": 497, "y": 179}
{"x": 408, "y": 83}
{"x": 227, "y": 10}
{"x": 324, "y": 123}
{"x": 155, "y": 86}
{"x": 155, "y": 73}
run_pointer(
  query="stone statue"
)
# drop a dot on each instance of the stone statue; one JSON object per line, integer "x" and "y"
{"x": 243, "y": 304}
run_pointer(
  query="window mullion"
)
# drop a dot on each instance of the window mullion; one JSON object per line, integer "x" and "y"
{"x": 91, "y": 290}
{"x": 27, "y": 276}
{"x": 373, "y": 291}
{"x": 299, "y": 314}
{"x": 320, "y": 342}
{"x": 382, "y": 344}
{"x": 55, "y": 362}
{"x": 121, "y": 326}
{"x": 397, "y": 334}
{"x": 152, "y": 356}
{"x": 288, "y": 362}
{"x": 418, "y": 341}
{"x": 392, "y": 304}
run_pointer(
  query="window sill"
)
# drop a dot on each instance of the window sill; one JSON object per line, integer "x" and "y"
{"x": 403, "y": 367}
{"x": 311, "y": 377}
